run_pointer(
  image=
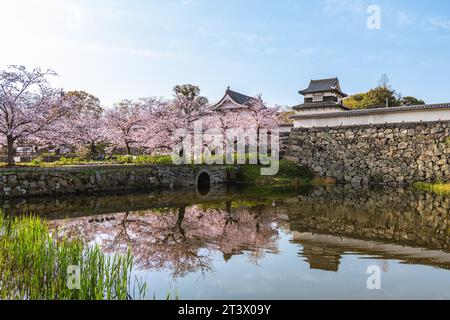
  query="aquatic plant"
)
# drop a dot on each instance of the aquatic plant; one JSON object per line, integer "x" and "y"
{"x": 289, "y": 173}
{"x": 35, "y": 265}
{"x": 439, "y": 187}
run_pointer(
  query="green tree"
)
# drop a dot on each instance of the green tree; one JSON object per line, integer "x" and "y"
{"x": 355, "y": 101}
{"x": 378, "y": 97}
{"x": 188, "y": 91}
{"x": 381, "y": 96}
{"x": 189, "y": 102}
{"x": 411, "y": 101}
{"x": 81, "y": 101}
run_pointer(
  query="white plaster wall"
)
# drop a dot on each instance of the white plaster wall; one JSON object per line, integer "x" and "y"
{"x": 318, "y": 111}
{"x": 398, "y": 117}
{"x": 325, "y": 94}
{"x": 229, "y": 105}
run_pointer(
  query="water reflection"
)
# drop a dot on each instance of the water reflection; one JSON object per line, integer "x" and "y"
{"x": 182, "y": 239}
{"x": 178, "y": 233}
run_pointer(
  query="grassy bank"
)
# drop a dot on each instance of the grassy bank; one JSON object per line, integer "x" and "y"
{"x": 76, "y": 161}
{"x": 289, "y": 174}
{"x": 35, "y": 265}
{"x": 439, "y": 188}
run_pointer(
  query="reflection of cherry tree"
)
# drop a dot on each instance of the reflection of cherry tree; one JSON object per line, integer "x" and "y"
{"x": 248, "y": 230}
{"x": 182, "y": 240}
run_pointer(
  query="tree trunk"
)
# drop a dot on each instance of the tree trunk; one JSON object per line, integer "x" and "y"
{"x": 181, "y": 213}
{"x": 128, "y": 149}
{"x": 11, "y": 151}
{"x": 92, "y": 151}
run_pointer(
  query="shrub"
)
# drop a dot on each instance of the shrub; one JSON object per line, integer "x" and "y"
{"x": 125, "y": 159}
{"x": 37, "y": 161}
{"x": 69, "y": 161}
{"x": 288, "y": 172}
{"x": 153, "y": 160}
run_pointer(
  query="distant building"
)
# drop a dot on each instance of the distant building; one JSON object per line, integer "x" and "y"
{"x": 234, "y": 101}
{"x": 25, "y": 151}
{"x": 323, "y": 107}
{"x": 322, "y": 96}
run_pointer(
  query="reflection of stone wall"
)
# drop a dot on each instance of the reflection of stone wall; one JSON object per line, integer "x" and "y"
{"x": 54, "y": 208}
{"x": 22, "y": 182}
{"x": 420, "y": 219}
{"x": 391, "y": 154}
{"x": 324, "y": 252}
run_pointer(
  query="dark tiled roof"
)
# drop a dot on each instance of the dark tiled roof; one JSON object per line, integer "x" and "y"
{"x": 239, "y": 97}
{"x": 286, "y": 125}
{"x": 322, "y": 104}
{"x": 323, "y": 85}
{"x": 362, "y": 112}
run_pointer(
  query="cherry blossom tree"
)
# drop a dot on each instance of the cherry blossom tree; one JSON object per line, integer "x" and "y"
{"x": 28, "y": 105}
{"x": 159, "y": 123}
{"x": 128, "y": 120}
{"x": 84, "y": 127}
{"x": 258, "y": 115}
{"x": 163, "y": 120}
{"x": 254, "y": 116}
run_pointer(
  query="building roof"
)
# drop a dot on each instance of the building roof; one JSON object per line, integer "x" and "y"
{"x": 373, "y": 111}
{"x": 239, "y": 99}
{"x": 323, "y": 85}
{"x": 322, "y": 104}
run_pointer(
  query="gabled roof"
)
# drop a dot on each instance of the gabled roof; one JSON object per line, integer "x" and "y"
{"x": 239, "y": 99}
{"x": 324, "y": 85}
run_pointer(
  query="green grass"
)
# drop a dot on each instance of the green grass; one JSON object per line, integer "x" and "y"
{"x": 121, "y": 159}
{"x": 289, "y": 173}
{"x": 166, "y": 159}
{"x": 439, "y": 187}
{"x": 34, "y": 265}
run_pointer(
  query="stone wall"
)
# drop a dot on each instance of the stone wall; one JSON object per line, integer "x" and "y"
{"x": 284, "y": 143}
{"x": 389, "y": 154}
{"x": 24, "y": 182}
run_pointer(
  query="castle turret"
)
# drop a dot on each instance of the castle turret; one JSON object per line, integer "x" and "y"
{"x": 322, "y": 96}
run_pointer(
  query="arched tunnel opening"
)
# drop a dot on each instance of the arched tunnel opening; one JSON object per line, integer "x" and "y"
{"x": 204, "y": 184}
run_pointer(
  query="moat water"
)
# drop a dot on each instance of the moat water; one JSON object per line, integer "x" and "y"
{"x": 253, "y": 243}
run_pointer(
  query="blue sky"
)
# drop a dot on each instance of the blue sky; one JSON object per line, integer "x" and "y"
{"x": 129, "y": 49}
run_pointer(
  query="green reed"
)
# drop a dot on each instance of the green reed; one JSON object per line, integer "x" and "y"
{"x": 34, "y": 265}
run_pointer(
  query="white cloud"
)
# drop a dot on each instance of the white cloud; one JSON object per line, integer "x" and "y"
{"x": 407, "y": 19}
{"x": 130, "y": 51}
{"x": 373, "y": 58}
{"x": 221, "y": 43}
{"x": 404, "y": 19}
{"x": 249, "y": 38}
{"x": 306, "y": 52}
{"x": 438, "y": 23}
